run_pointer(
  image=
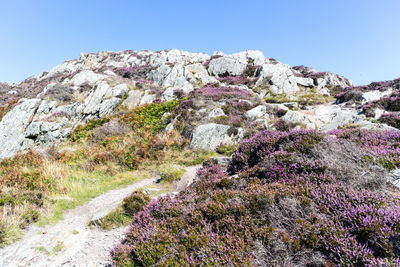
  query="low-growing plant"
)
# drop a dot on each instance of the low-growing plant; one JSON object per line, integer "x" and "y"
{"x": 392, "y": 119}
{"x": 115, "y": 218}
{"x": 135, "y": 202}
{"x": 226, "y": 149}
{"x": 290, "y": 195}
{"x": 170, "y": 173}
{"x": 151, "y": 116}
{"x": 85, "y": 130}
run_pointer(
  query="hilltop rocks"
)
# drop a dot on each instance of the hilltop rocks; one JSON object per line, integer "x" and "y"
{"x": 235, "y": 64}
{"x": 224, "y": 92}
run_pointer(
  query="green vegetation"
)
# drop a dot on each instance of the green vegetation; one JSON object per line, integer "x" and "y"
{"x": 116, "y": 218}
{"x": 170, "y": 173}
{"x": 303, "y": 98}
{"x": 152, "y": 116}
{"x": 84, "y": 131}
{"x": 39, "y": 187}
{"x": 226, "y": 149}
{"x": 6, "y": 108}
{"x": 57, "y": 248}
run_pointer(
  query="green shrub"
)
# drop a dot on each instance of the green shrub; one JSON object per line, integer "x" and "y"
{"x": 84, "y": 131}
{"x": 226, "y": 149}
{"x": 29, "y": 216}
{"x": 116, "y": 218}
{"x": 2, "y": 232}
{"x": 151, "y": 116}
{"x": 170, "y": 173}
{"x": 135, "y": 202}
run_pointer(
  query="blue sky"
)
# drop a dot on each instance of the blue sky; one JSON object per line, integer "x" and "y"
{"x": 359, "y": 39}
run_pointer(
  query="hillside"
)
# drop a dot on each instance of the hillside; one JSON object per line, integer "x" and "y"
{"x": 308, "y": 177}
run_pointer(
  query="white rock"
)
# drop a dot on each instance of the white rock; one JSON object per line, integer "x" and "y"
{"x": 93, "y": 101}
{"x": 226, "y": 65}
{"x": 196, "y": 73}
{"x": 209, "y": 136}
{"x": 275, "y": 107}
{"x": 147, "y": 98}
{"x": 374, "y": 95}
{"x": 216, "y": 112}
{"x": 133, "y": 99}
{"x": 120, "y": 90}
{"x": 86, "y": 76}
{"x": 395, "y": 177}
{"x": 13, "y": 125}
{"x": 378, "y": 113}
{"x": 108, "y": 105}
{"x": 296, "y": 117}
{"x": 257, "y": 112}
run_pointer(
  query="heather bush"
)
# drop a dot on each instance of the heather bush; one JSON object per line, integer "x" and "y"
{"x": 281, "y": 125}
{"x": 218, "y": 93}
{"x": 135, "y": 72}
{"x": 382, "y": 144}
{"x": 135, "y": 202}
{"x": 392, "y": 119}
{"x": 60, "y": 93}
{"x": 109, "y": 129}
{"x": 295, "y": 199}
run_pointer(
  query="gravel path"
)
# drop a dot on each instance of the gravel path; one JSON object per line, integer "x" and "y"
{"x": 78, "y": 243}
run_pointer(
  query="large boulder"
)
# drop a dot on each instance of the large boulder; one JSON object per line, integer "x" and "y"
{"x": 209, "y": 136}
{"x": 234, "y": 64}
{"x": 257, "y": 112}
{"x": 13, "y": 125}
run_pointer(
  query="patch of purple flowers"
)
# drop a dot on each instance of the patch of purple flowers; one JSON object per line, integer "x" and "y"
{"x": 218, "y": 93}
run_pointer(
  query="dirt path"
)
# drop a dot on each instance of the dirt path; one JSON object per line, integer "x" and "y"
{"x": 71, "y": 242}
{"x": 71, "y": 239}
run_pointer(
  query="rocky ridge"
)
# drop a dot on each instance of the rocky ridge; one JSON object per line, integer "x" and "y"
{"x": 227, "y": 96}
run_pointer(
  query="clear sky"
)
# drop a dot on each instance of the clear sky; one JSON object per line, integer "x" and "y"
{"x": 359, "y": 39}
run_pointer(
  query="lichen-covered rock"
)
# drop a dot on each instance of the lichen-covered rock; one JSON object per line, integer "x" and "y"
{"x": 209, "y": 136}
{"x": 257, "y": 112}
{"x": 297, "y": 118}
{"x": 226, "y": 66}
{"x": 216, "y": 112}
{"x": 133, "y": 99}
{"x": 13, "y": 125}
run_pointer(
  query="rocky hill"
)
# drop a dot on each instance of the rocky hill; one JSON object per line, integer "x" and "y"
{"x": 47, "y": 107}
{"x": 309, "y": 175}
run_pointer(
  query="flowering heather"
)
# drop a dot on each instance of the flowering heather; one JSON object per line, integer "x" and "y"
{"x": 354, "y": 94}
{"x": 235, "y": 80}
{"x": 134, "y": 72}
{"x": 383, "y": 144}
{"x": 307, "y": 72}
{"x": 392, "y": 119}
{"x": 284, "y": 207}
{"x": 218, "y": 93}
{"x": 388, "y": 103}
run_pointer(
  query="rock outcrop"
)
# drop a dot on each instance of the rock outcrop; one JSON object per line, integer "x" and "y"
{"x": 226, "y": 90}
